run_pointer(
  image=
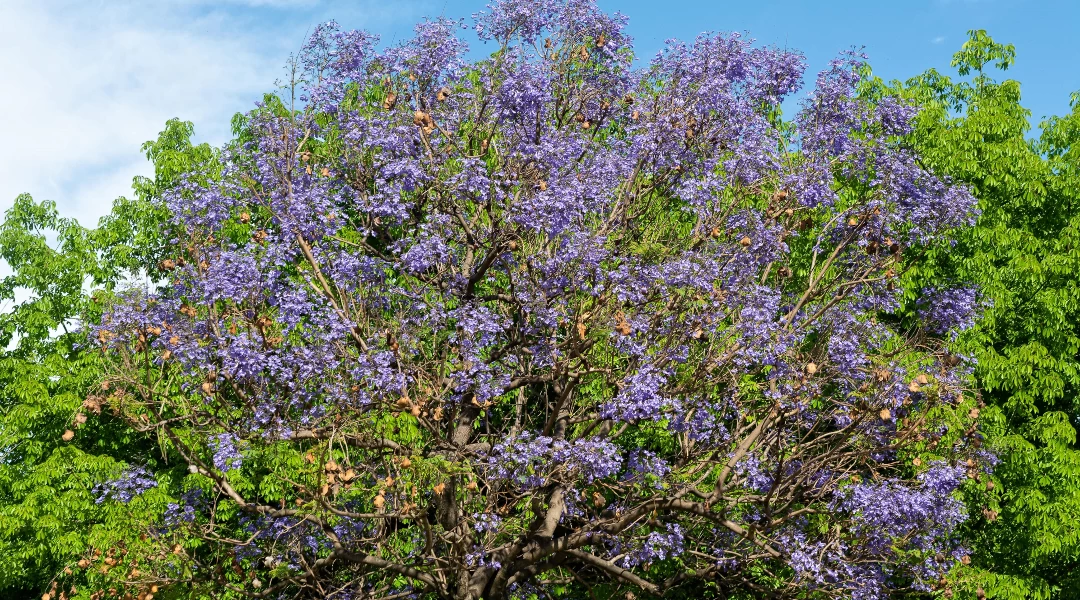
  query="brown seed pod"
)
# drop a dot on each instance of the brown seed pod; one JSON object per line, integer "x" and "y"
{"x": 634, "y": 115}
{"x": 601, "y": 41}
{"x": 811, "y": 368}
{"x": 916, "y": 461}
{"x": 885, "y": 414}
{"x": 913, "y": 387}
{"x": 389, "y": 101}
{"x": 438, "y": 489}
{"x": 922, "y": 379}
{"x": 379, "y": 501}
{"x": 745, "y": 242}
{"x": 68, "y": 435}
{"x": 442, "y": 94}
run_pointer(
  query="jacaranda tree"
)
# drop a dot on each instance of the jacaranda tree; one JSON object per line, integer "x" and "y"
{"x": 546, "y": 324}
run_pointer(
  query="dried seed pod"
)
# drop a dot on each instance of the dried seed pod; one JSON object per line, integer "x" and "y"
{"x": 379, "y": 501}
{"x": 331, "y": 466}
{"x": 914, "y": 387}
{"x": 601, "y": 41}
{"x": 916, "y": 461}
{"x": 405, "y": 462}
{"x": 438, "y": 489}
{"x": 922, "y": 379}
{"x": 389, "y": 101}
{"x": 745, "y": 242}
{"x": 811, "y": 368}
{"x": 68, "y": 435}
{"x": 442, "y": 94}
{"x": 885, "y": 414}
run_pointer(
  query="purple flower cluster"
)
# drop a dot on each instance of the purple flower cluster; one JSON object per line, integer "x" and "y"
{"x": 532, "y": 461}
{"x": 950, "y": 310}
{"x": 131, "y": 483}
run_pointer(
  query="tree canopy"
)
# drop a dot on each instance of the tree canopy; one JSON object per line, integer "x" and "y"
{"x": 462, "y": 330}
{"x": 550, "y": 325}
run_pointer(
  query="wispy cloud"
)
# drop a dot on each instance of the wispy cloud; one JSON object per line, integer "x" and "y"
{"x": 938, "y": 40}
{"x": 89, "y": 82}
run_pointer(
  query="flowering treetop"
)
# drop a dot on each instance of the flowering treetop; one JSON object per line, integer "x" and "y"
{"x": 460, "y": 329}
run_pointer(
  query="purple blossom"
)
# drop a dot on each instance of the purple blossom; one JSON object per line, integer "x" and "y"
{"x": 132, "y": 482}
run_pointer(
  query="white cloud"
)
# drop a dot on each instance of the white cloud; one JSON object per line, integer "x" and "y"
{"x": 88, "y": 82}
{"x": 939, "y": 39}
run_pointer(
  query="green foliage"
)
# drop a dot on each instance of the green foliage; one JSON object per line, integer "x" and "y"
{"x": 1024, "y": 254}
{"x": 63, "y": 274}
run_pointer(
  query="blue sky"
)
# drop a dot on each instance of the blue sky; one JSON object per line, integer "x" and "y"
{"x": 88, "y": 81}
